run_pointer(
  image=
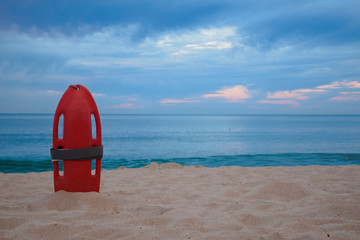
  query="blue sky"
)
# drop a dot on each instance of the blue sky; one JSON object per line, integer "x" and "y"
{"x": 195, "y": 57}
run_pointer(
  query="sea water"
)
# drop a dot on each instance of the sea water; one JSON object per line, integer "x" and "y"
{"x": 207, "y": 140}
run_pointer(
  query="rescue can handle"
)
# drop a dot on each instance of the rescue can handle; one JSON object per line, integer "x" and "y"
{"x": 97, "y": 139}
{"x": 59, "y": 141}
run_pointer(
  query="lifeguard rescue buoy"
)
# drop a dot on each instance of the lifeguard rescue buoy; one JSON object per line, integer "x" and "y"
{"x": 77, "y": 147}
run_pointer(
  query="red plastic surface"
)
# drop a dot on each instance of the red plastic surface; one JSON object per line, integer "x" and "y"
{"x": 77, "y": 106}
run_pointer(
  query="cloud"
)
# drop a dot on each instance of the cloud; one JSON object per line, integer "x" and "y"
{"x": 286, "y": 95}
{"x": 330, "y": 86}
{"x": 232, "y": 94}
{"x": 110, "y": 47}
{"x": 53, "y": 92}
{"x": 299, "y": 94}
{"x": 309, "y": 90}
{"x": 352, "y": 84}
{"x": 185, "y": 100}
{"x": 294, "y": 94}
{"x": 347, "y": 96}
{"x": 199, "y": 40}
{"x": 286, "y": 102}
{"x": 132, "y": 99}
{"x": 210, "y": 45}
{"x": 345, "y": 84}
{"x": 350, "y": 92}
{"x": 45, "y": 48}
{"x": 98, "y": 95}
{"x": 153, "y": 16}
{"x": 129, "y": 102}
{"x": 178, "y": 47}
{"x": 124, "y": 105}
{"x": 341, "y": 84}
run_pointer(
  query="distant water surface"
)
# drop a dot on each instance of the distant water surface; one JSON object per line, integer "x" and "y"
{"x": 208, "y": 140}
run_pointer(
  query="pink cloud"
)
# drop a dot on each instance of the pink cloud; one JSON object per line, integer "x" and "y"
{"x": 186, "y": 100}
{"x": 124, "y": 105}
{"x": 330, "y": 86}
{"x": 310, "y": 90}
{"x": 233, "y": 94}
{"x": 340, "y": 84}
{"x": 301, "y": 94}
{"x": 352, "y": 84}
{"x": 350, "y": 92}
{"x": 347, "y": 96}
{"x": 286, "y": 95}
{"x": 294, "y": 94}
{"x": 286, "y": 102}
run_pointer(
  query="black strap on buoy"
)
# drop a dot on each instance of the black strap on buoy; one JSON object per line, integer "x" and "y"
{"x": 77, "y": 153}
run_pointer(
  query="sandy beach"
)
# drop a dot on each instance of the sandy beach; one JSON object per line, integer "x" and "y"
{"x": 170, "y": 201}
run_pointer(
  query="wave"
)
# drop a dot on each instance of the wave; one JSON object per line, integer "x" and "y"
{"x": 246, "y": 160}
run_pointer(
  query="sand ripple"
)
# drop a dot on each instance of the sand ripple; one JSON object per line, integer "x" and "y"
{"x": 169, "y": 201}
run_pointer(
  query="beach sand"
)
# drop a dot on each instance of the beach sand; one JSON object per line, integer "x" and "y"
{"x": 170, "y": 201}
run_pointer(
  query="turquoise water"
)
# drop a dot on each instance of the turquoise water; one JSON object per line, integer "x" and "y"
{"x": 208, "y": 140}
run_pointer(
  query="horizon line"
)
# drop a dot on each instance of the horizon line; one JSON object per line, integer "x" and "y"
{"x": 204, "y": 114}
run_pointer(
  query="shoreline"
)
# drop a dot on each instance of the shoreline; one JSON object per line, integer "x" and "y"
{"x": 170, "y": 201}
{"x": 242, "y": 160}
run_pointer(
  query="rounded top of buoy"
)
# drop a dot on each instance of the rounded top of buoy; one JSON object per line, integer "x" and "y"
{"x": 77, "y": 105}
{"x": 76, "y": 87}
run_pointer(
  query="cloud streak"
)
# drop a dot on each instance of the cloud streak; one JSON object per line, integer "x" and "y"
{"x": 194, "y": 42}
{"x": 294, "y": 94}
{"x": 98, "y": 95}
{"x": 124, "y": 106}
{"x": 53, "y": 92}
{"x": 301, "y": 94}
{"x": 236, "y": 93}
{"x": 347, "y": 98}
{"x": 282, "y": 102}
{"x": 341, "y": 84}
{"x": 185, "y": 100}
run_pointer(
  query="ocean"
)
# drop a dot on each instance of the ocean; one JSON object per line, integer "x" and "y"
{"x": 209, "y": 140}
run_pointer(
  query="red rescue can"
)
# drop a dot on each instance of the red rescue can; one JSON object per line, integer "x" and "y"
{"x": 77, "y": 148}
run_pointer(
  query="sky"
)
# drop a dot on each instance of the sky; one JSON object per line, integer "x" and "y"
{"x": 182, "y": 57}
